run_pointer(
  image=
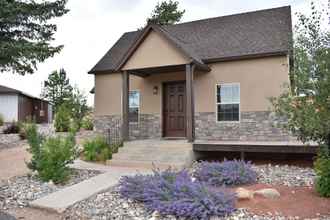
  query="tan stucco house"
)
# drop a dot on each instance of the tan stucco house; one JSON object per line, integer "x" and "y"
{"x": 208, "y": 79}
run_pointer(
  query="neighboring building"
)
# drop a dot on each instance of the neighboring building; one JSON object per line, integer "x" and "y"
{"x": 19, "y": 106}
{"x": 207, "y": 79}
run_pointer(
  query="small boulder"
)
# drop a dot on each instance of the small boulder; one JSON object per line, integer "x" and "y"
{"x": 268, "y": 193}
{"x": 242, "y": 193}
{"x": 155, "y": 216}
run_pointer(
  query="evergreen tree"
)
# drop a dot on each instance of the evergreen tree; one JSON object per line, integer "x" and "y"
{"x": 25, "y": 33}
{"x": 57, "y": 88}
{"x": 166, "y": 12}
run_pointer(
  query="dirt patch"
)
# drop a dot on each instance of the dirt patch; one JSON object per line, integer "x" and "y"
{"x": 33, "y": 214}
{"x": 294, "y": 201}
{"x": 12, "y": 162}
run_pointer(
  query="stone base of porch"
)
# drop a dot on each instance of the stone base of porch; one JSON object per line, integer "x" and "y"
{"x": 253, "y": 126}
{"x": 147, "y": 127}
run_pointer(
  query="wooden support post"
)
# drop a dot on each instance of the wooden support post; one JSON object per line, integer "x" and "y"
{"x": 190, "y": 101}
{"x": 125, "y": 105}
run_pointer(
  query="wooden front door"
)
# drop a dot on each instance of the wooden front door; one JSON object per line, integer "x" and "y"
{"x": 174, "y": 109}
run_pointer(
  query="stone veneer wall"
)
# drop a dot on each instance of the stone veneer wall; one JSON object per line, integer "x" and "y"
{"x": 148, "y": 127}
{"x": 253, "y": 126}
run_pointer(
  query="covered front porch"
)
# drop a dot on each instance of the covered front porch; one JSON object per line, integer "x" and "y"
{"x": 176, "y": 100}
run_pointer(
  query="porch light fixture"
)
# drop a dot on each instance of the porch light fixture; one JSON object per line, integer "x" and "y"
{"x": 155, "y": 90}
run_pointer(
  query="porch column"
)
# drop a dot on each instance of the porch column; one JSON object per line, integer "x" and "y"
{"x": 190, "y": 101}
{"x": 125, "y": 105}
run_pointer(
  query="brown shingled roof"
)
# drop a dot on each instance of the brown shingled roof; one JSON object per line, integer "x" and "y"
{"x": 265, "y": 32}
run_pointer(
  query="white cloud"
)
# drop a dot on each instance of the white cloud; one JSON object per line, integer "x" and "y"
{"x": 92, "y": 27}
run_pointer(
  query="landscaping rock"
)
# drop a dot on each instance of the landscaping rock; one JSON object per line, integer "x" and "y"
{"x": 109, "y": 204}
{"x": 268, "y": 193}
{"x": 46, "y": 129}
{"x": 285, "y": 175}
{"x": 5, "y": 216}
{"x": 9, "y": 141}
{"x": 242, "y": 193}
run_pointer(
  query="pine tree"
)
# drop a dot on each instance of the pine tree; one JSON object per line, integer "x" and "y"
{"x": 166, "y": 12}
{"x": 25, "y": 33}
{"x": 57, "y": 88}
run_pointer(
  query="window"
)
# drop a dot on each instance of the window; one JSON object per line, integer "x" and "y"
{"x": 228, "y": 100}
{"x": 134, "y": 106}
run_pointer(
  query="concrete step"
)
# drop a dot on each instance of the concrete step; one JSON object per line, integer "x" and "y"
{"x": 150, "y": 153}
{"x": 151, "y": 157}
{"x": 157, "y": 143}
{"x": 145, "y": 164}
{"x": 146, "y": 150}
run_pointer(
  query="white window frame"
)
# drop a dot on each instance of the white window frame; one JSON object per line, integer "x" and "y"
{"x": 216, "y": 102}
{"x": 139, "y": 108}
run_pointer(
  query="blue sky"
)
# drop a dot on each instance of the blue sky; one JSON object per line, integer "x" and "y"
{"x": 93, "y": 26}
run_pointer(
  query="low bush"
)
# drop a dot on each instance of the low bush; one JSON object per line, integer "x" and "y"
{"x": 87, "y": 123}
{"x": 56, "y": 154}
{"x": 226, "y": 173}
{"x": 63, "y": 120}
{"x": 115, "y": 147}
{"x": 12, "y": 128}
{"x": 51, "y": 156}
{"x": 35, "y": 140}
{"x": 23, "y": 129}
{"x": 2, "y": 120}
{"x": 97, "y": 149}
{"x": 322, "y": 170}
{"x": 174, "y": 193}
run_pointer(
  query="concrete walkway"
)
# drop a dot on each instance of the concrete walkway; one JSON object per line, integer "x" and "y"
{"x": 63, "y": 199}
{"x": 80, "y": 164}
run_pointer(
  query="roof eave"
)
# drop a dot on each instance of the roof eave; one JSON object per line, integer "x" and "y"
{"x": 248, "y": 56}
{"x": 102, "y": 71}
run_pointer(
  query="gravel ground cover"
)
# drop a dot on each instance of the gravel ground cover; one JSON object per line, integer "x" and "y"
{"x": 10, "y": 140}
{"x": 109, "y": 205}
{"x": 285, "y": 175}
{"x": 17, "y": 192}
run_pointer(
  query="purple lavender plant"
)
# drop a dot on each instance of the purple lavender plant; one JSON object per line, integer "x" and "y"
{"x": 226, "y": 173}
{"x": 174, "y": 193}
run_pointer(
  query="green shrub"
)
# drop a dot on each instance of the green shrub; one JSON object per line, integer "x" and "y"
{"x": 62, "y": 119}
{"x": 50, "y": 156}
{"x": 97, "y": 149}
{"x": 322, "y": 170}
{"x": 56, "y": 154}
{"x": 105, "y": 154}
{"x": 87, "y": 123}
{"x": 12, "y": 128}
{"x": 34, "y": 140}
{"x": 22, "y": 130}
{"x": 2, "y": 120}
{"x": 114, "y": 147}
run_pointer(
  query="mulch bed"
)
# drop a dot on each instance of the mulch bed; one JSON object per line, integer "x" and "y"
{"x": 299, "y": 201}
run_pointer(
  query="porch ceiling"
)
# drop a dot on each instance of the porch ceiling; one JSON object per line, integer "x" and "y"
{"x": 145, "y": 72}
